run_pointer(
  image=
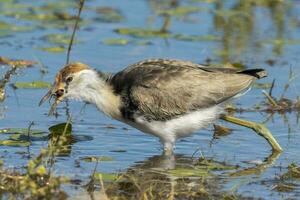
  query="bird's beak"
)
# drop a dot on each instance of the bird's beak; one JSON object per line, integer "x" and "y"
{"x": 47, "y": 96}
{"x": 55, "y": 92}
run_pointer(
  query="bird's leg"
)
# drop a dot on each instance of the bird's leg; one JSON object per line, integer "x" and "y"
{"x": 260, "y": 129}
{"x": 168, "y": 147}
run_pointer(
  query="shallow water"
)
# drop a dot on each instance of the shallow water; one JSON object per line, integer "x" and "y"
{"x": 263, "y": 35}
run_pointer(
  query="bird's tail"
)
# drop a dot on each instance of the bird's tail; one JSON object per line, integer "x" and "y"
{"x": 257, "y": 73}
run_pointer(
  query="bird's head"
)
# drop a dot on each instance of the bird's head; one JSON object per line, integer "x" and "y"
{"x": 70, "y": 83}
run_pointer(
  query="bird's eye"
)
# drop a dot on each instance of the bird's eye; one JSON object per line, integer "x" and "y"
{"x": 69, "y": 79}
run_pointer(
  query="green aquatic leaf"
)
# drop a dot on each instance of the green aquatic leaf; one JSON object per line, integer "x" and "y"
{"x": 14, "y": 143}
{"x": 106, "y": 176}
{"x": 180, "y": 11}
{"x": 230, "y": 13}
{"x": 20, "y": 131}
{"x": 109, "y": 14}
{"x": 115, "y": 41}
{"x": 60, "y": 129}
{"x": 195, "y": 38}
{"x": 58, "y": 5}
{"x": 209, "y": 164}
{"x": 8, "y": 27}
{"x": 31, "y": 85}
{"x": 142, "y": 33}
{"x": 97, "y": 158}
{"x": 59, "y": 38}
{"x": 58, "y": 49}
{"x": 281, "y": 41}
{"x": 189, "y": 172}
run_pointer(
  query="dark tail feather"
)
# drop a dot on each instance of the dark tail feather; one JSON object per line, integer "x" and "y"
{"x": 258, "y": 73}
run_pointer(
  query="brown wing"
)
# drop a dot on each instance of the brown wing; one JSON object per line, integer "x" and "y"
{"x": 162, "y": 89}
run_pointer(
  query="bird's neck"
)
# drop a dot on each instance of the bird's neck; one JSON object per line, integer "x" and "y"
{"x": 98, "y": 91}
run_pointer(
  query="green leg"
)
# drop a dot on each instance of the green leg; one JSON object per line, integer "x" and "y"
{"x": 260, "y": 129}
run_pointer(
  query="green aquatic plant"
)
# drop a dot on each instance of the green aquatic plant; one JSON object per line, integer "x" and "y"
{"x": 116, "y": 41}
{"x": 35, "y": 183}
{"x": 142, "y": 33}
{"x": 108, "y": 15}
{"x": 97, "y": 159}
{"x": 179, "y": 11}
{"x": 60, "y": 39}
{"x": 55, "y": 49}
{"x": 31, "y": 85}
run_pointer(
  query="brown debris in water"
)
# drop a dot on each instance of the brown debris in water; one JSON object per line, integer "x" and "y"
{"x": 16, "y": 63}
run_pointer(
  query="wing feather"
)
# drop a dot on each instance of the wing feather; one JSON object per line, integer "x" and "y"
{"x": 163, "y": 89}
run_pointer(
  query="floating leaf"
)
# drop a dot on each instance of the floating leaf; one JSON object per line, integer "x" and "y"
{"x": 59, "y": 38}
{"x": 14, "y": 28}
{"x": 20, "y": 131}
{"x": 14, "y": 143}
{"x": 97, "y": 158}
{"x": 282, "y": 42}
{"x": 189, "y": 172}
{"x": 230, "y": 13}
{"x": 210, "y": 164}
{"x": 62, "y": 128}
{"x": 58, "y": 5}
{"x": 31, "y": 85}
{"x": 106, "y": 176}
{"x": 116, "y": 41}
{"x": 53, "y": 49}
{"x": 143, "y": 33}
{"x": 109, "y": 14}
{"x": 195, "y": 38}
{"x": 180, "y": 11}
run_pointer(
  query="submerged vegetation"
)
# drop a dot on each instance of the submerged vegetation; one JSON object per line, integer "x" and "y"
{"x": 46, "y": 161}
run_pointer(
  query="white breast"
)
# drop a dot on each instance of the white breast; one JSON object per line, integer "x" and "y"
{"x": 183, "y": 126}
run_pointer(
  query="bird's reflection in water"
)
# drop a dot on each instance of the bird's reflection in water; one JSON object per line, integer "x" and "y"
{"x": 179, "y": 177}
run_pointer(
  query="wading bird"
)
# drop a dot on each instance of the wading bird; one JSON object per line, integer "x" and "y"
{"x": 169, "y": 99}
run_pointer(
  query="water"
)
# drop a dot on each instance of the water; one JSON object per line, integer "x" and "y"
{"x": 254, "y": 35}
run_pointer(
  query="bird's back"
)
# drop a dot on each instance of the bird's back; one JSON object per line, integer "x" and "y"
{"x": 164, "y": 89}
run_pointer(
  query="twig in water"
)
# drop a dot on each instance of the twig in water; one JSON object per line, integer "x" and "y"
{"x": 270, "y": 99}
{"x": 91, "y": 185}
{"x": 287, "y": 85}
{"x": 81, "y": 3}
{"x": 272, "y": 87}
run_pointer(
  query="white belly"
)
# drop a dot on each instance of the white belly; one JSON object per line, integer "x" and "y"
{"x": 183, "y": 126}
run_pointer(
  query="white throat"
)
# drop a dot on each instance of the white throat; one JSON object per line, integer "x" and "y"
{"x": 89, "y": 87}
